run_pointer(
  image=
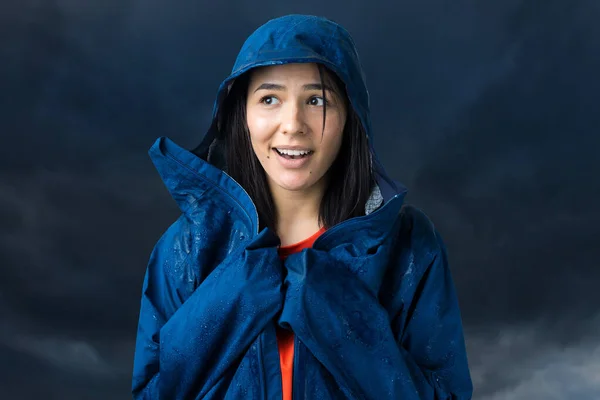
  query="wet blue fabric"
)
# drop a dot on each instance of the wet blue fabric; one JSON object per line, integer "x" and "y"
{"x": 372, "y": 304}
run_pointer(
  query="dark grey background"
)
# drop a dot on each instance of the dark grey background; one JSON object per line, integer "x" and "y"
{"x": 487, "y": 111}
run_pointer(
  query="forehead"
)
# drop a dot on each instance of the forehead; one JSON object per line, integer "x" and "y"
{"x": 300, "y": 72}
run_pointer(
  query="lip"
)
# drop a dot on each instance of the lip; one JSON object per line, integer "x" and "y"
{"x": 292, "y": 148}
{"x": 292, "y": 164}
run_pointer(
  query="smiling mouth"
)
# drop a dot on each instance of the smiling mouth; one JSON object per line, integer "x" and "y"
{"x": 293, "y": 154}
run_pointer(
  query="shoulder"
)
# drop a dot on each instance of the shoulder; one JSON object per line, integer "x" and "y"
{"x": 192, "y": 246}
{"x": 419, "y": 233}
{"x": 418, "y": 250}
{"x": 179, "y": 231}
{"x": 170, "y": 257}
{"x": 418, "y": 246}
{"x": 179, "y": 262}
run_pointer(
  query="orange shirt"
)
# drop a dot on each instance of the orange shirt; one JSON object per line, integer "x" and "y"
{"x": 285, "y": 338}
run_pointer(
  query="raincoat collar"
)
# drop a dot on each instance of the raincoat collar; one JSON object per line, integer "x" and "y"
{"x": 191, "y": 181}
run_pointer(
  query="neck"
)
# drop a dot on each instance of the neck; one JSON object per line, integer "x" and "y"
{"x": 297, "y": 213}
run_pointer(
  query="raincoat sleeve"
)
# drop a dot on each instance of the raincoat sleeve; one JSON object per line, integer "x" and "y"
{"x": 428, "y": 331}
{"x": 190, "y": 334}
{"x": 400, "y": 337}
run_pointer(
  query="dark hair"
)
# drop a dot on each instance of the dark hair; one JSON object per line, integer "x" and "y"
{"x": 349, "y": 178}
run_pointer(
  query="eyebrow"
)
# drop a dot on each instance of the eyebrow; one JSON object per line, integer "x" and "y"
{"x": 309, "y": 86}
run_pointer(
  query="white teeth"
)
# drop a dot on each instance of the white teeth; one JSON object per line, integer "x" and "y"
{"x": 293, "y": 152}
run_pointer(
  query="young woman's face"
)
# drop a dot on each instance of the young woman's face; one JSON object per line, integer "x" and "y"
{"x": 284, "y": 113}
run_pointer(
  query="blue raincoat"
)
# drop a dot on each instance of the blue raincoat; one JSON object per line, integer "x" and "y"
{"x": 372, "y": 304}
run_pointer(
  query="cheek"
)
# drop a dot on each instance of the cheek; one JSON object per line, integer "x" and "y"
{"x": 260, "y": 136}
{"x": 259, "y": 128}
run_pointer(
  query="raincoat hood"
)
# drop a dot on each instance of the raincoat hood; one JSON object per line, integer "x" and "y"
{"x": 305, "y": 39}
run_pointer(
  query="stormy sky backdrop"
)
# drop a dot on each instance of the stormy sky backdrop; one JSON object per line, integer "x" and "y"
{"x": 488, "y": 111}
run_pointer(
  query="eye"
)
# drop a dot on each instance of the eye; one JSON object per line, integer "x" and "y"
{"x": 269, "y": 100}
{"x": 317, "y": 101}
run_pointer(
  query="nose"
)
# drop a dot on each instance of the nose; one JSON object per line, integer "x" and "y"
{"x": 292, "y": 119}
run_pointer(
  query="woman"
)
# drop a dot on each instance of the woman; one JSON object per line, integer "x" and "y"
{"x": 294, "y": 266}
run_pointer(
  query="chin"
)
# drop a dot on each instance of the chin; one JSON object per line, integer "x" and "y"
{"x": 294, "y": 186}
{"x": 294, "y": 183}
